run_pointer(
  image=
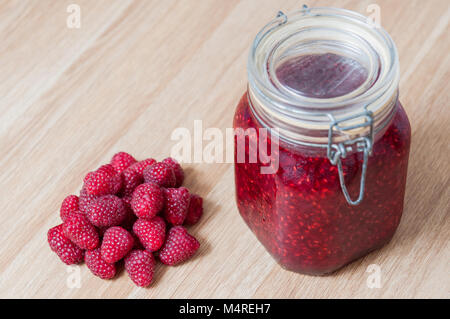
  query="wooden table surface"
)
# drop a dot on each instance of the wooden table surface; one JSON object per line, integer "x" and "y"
{"x": 135, "y": 71}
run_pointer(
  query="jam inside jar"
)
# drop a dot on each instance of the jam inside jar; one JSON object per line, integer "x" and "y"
{"x": 324, "y": 84}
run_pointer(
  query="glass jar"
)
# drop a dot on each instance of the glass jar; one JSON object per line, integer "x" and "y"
{"x": 322, "y": 100}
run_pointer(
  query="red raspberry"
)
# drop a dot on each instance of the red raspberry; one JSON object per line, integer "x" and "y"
{"x": 121, "y": 161}
{"x": 147, "y": 200}
{"x": 130, "y": 180}
{"x": 151, "y": 233}
{"x": 177, "y": 204}
{"x": 117, "y": 243}
{"x": 98, "y": 266}
{"x": 68, "y": 252}
{"x": 139, "y": 167}
{"x": 179, "y": 246}
{"x": 107, "y": 211}
{"x": 179, "y": 174}
{"x": 103, "y": 181}
{"x": 85, "y": 201}
{"x": 69, "y": 205}
{"x": 195, "y": 210}
{"x": 161, "y": 174}
{"x": 78, "y": 229}
{"x": 140, "y": 265}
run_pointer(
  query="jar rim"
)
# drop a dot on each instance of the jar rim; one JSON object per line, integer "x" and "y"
{"x": 298, "y": 116}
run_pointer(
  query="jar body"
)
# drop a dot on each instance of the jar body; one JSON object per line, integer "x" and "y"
{"x": 299, "y": 212}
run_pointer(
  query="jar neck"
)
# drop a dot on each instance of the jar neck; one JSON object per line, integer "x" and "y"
{"x": 305, "y": 115}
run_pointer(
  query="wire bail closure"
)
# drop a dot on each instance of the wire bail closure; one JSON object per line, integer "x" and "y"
{"x": 336, "y": 152}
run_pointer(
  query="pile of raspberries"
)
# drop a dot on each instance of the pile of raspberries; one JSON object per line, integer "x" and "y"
{"x": 128, "y": 210}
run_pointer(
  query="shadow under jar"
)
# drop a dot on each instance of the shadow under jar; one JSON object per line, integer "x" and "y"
{"x": 323, "y": 82}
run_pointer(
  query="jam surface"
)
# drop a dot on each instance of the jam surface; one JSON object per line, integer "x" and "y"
{"x": 322, "y": 76}
{"x": 300, "y": 214}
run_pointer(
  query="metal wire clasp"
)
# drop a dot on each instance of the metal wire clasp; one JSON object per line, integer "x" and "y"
{"x": 336, "y": 152}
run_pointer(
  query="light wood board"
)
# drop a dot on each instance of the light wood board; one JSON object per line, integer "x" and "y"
{"x": 135, "y": 71}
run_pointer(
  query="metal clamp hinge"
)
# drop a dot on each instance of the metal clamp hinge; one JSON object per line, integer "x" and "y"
{"x": 337, "y": 151}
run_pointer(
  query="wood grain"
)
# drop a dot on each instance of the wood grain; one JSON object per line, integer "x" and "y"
{"x": 136, "y": 70}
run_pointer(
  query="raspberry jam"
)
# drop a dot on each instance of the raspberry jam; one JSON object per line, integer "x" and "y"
{"x": 322, "y": 75}
{"x": 299, "y": 212}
